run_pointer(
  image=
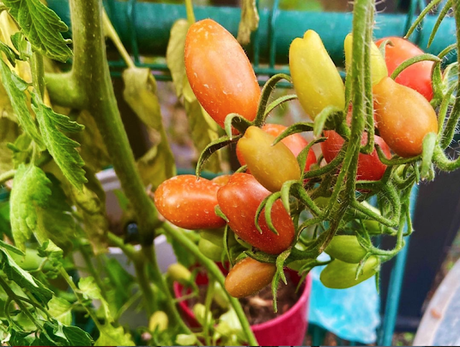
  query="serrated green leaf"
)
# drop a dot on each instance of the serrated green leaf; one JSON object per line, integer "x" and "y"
{"x": 91, "y": 206}
{"x": 175, "y": 54}
{"x": 111, "y": 336}
{"x": 8, "y": 133}
{"x": 157, "y": 164}
{"x": 21, "y": 149}
{"x": 56, "y": 222}
{"x": 42, "y": 27}
{"x": 249, "y": 21}
{"x": 61, "y": 147}
{"x": 24, "y": 279}
{"x": 15, "y": 88}
{"x": 93, "y": 150}
{"x": 61, "y": 310}
{"x": 22, "y": 46}
{"x": 89, "y": 288}
{"x": 31, "y": 191}
{"x": 77, "y": 336}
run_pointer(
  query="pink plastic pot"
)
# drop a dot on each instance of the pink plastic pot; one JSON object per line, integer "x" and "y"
{"x": 289, "y": 329}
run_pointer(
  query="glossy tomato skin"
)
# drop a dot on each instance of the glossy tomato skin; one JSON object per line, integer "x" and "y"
{"x": 239, "y": 200}
{"x": 404, "y": 117}
{"x": 189, "y": 203}
{"x": 294, "y": 142}
{"x": 370, "y": 168}
{"x": 248, "y": 277}
{"x": 417, "y": 76}
{"x": 271, "y": 165}
{"x": 219, "y": 72}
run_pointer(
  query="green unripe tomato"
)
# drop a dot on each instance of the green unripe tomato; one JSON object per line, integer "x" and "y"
{"x": 270, "y": 165}
{"x": 158, "y": 321}
{"x": 340, "y": 275}
{"x": 179, "y": 273}
{"x": 210, "y": 250}
{"x": 346, "y": 248}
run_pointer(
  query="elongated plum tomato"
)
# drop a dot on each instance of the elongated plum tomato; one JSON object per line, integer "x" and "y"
{"x": 316, "y": 79}
{"x": 404, "y": 117}
{"x": 270, "y": 165}
{"x": 416, "y": 76}
{"x": 189, "y": 203}
{"x": 219, "y": 72}
{"x": 370, "y": 168}
{"x": 340, "y": 275}
{"x": 248, "y": 277}
{"x": 239, "y": 200}
{"x": 294, "y": 142}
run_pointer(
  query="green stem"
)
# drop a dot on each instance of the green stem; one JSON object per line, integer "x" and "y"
{"x": 80, "y": 299}
{"x": 112, "y": 34}
{"x": 64, "y": 90}
{"x": 6, "y": 176}
{"x": 214, "y": 271}
{"x": 19, "y": 302}
{"x": 92, "y": 270}
{"x": 91, "y": 70}
{"x": 38, "y": 73}
{"x": 190, "y": 14}
{"x": 449, "y": 131}
{"x": 160, "y": 282}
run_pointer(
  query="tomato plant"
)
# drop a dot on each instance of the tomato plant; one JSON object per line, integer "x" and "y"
{"x": 370, "y": 168}
{"x": 416, "y": 76}
{"x": 404, "y": 117}
{"x": 270, "y": 165}
{"x": 219, "y": 72}
{"x": 189, "y": 202}
{"x": 248, "y": 277}
{"x": 239, "y": 200}
{"x": 294, "y": 142}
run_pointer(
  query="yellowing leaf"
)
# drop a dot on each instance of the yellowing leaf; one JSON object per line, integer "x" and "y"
{"x": 110, "y": 336}
{"x": 249, "y": 21}
{"x": 158, "y": 164}
{"x": 175, "y": 53}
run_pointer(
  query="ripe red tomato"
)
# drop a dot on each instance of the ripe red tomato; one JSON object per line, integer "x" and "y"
{"x": 239, "y": 200}
{"x": 370, "y": 168}
{"x": 189, "y": 203}
{"x": 294, "y": 142}
{"x": 248, "y": 277}
{"x": 219, "y": 72}
{"x": 417, "y": 76}
{"x": 403, "y": 117}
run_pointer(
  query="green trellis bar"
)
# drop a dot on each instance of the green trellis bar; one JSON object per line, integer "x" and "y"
{"x": 144, "y": 28}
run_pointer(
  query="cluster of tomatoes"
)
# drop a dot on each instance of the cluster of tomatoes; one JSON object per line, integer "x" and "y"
{"x": 224, "y": 82}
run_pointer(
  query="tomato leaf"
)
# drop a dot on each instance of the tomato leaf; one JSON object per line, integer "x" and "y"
{"x": 93, "y": 150}
{"x": 55, "y": 221}
{"x": 8, "y": 132}
{"x": 61, "y": 310}
{"x": 31, "y": 191}
{"x": 23, "y": 279}
{"x": 111, "y": 336}
{"x": 76, "y": 336}
{"x": 249, "y": 21}
{"x": 236, "y": 120}
{"x": 272, "y": 198}
{"x": 157, "y": 164}
{"x": 15, "y": 88}
{"x": 204, "y": 129}
{"x": 91, "y": 206}
{"x": 175, "y": 54}
{"x": 42, "y": 27}
{"x": 61, "y": 147}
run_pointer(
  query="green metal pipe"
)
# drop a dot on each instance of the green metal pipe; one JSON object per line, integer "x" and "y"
{"x": 146, "y": 26}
